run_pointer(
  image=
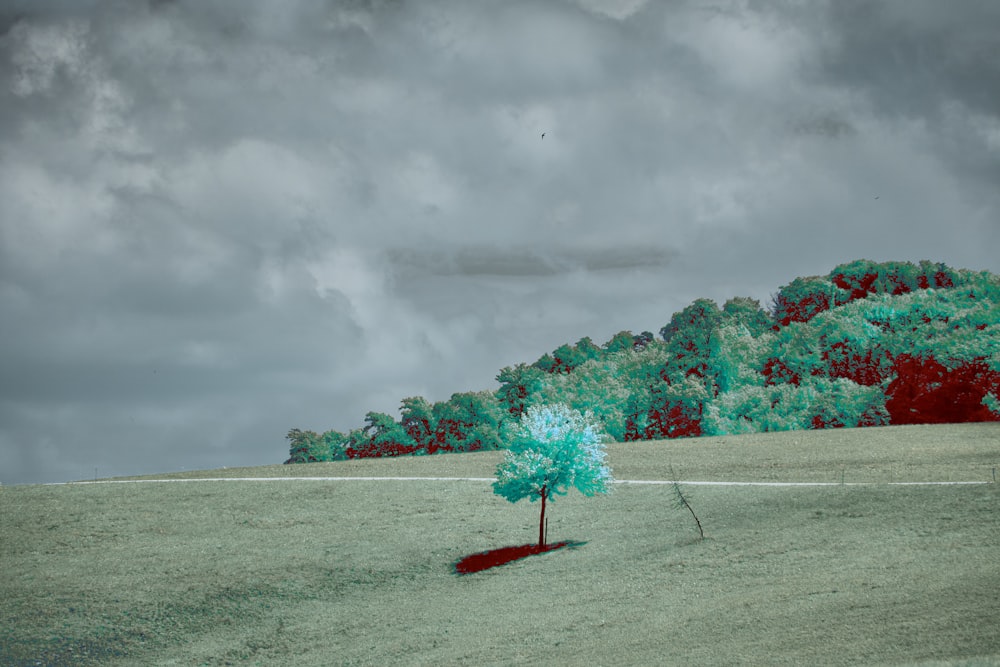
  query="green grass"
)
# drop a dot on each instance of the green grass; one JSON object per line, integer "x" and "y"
{"x": 361, "y": 572}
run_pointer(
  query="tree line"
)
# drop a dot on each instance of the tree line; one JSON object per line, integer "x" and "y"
{"x": 868, "y": 344}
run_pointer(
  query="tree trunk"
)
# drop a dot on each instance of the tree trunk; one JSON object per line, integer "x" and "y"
{"x": 541, "y": 523}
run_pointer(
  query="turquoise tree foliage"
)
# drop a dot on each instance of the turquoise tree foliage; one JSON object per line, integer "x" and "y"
{"x": 567, "y": 357}
{"x": 335, "y": 445}
{"x": 749, "y": 313}
{"x": 417, "y": 419}
{"x": 599, "y": 386}
{"x": 309, "y": 447}
{"x": 302, "y": 446}
{"x": 623, "y": 340}
{"x": 467, "y": 422}
{"x": 736, "y": 356}
{"x": 686, "y": 379}
{"x": 804, "y": 298}
{"x": 386, "y": 437}
{"x": 641, "y": 372}
{"x": 518, "y": 385}
{"x": 992, "y": 404}
{"x": 551, "y": 449}
{"x": 815, "y": 403}
{"x": 864, "y": 277}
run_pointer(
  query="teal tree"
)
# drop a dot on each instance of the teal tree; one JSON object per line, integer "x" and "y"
{"x": 551, "y": 449}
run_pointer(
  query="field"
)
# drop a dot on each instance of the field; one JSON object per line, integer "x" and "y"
{"x": 865, "y": 570}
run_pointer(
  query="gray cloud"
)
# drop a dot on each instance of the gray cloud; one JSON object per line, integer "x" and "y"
{"x": 523, "y": 261}
{"x": 216, "y": 225}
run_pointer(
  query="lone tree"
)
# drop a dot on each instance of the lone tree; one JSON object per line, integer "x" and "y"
{"x": 551, "y": 449}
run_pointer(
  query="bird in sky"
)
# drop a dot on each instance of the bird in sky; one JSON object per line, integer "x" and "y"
{"x": 543, "y": 135}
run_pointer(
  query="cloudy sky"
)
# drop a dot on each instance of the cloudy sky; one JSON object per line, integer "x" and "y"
{"x": 222, "y": 220}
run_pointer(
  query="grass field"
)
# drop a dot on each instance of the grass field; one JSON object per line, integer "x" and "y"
{"x": 363, "y": 572}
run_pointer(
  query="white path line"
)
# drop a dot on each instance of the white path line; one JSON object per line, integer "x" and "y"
{"x": 693, "y": 483}
{"x": 493, "y": 479}
{"x": 283, "y": 479}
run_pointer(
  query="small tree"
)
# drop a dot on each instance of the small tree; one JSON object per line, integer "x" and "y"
{"x": 551, "y": 449}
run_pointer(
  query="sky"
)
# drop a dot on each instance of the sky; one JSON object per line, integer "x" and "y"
{"x": 223, "y": 220}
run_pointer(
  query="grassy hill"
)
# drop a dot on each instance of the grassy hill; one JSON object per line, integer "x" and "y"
{"x": 359, "y": 572}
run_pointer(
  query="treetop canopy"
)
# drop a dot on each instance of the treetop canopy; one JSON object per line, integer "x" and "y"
{"x": 552, "y": 449}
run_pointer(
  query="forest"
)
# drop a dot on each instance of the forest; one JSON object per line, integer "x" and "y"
{"x": 869, "y": 344}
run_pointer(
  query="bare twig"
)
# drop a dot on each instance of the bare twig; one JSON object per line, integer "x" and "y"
{"x": 682, "y": 501}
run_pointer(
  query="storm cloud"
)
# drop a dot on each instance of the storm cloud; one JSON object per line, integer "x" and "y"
{"x": 219, "y": 220}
